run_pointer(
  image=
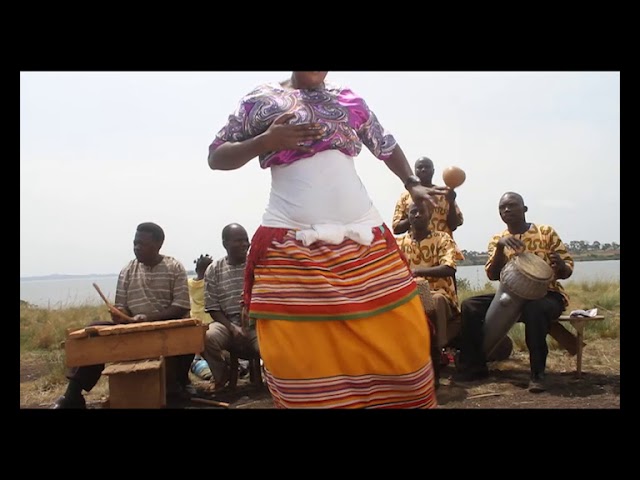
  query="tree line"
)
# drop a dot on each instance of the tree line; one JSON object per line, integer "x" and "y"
{"x": 579, "y": 248}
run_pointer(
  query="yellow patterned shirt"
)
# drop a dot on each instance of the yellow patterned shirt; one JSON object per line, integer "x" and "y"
{"x": 540, "y": 240}
{"x": 438, "y": 221}
{"x": 437, "y": 249}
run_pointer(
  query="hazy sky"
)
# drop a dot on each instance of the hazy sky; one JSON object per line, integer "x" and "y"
{"x": 101, "y": 152}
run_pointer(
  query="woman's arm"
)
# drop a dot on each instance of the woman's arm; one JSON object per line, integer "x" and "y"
{"x": 398, "y": 164}
{"x": 230, "y": 156}
{"x": 279, "y": 136}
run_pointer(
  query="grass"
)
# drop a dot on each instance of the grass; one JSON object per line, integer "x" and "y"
{"x": 603, "y": 295}
{"x": 43, "y": 330}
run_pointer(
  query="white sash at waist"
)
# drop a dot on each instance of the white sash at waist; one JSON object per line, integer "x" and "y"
{"x": 323, "y": 198}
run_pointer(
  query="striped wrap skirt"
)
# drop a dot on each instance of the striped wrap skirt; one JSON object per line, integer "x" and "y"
{"x": 339, "y": 326}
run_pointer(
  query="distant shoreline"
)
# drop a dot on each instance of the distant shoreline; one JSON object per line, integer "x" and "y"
{"x": 57, "y": 276}
{"x": 577, "y": 257}
{"x": 480, "y": 260}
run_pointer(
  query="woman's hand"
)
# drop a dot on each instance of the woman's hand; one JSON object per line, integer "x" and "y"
{"x": 424, "y": 197}
{"x": 282, "y": 136}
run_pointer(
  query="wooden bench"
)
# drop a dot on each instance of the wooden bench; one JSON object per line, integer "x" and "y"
{"x": 137, "y": 384}
{"x": 573, "y": 343}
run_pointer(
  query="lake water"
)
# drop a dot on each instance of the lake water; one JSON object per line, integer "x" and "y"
{"x": 61, "y": 293}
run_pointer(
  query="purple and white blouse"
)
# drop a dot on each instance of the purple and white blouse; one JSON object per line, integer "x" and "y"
{"x": 348, "y": 122}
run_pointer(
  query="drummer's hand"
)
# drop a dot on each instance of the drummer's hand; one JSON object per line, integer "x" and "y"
{"x": 512, "y": 242}
{"x": 141, "y": 317}
{"x": 115, "y": 318}
{"x": 425, "y": 197}
{"x": 557, "y": 263}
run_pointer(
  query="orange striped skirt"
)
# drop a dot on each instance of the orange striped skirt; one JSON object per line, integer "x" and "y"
{"x": 372, "y": 362}
{"x": 324, "y": 281}
{"x": 340, "y": 326}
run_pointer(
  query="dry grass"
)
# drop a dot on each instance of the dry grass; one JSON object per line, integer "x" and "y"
{"x": 42, "y": 332}
{"x": 603, "y": 295}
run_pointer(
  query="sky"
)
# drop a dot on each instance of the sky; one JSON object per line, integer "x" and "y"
{"x": 101, "y": 152}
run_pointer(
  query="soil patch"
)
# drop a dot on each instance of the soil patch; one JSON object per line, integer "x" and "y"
{"x": 31, "y": 369}
{"x": 506, "y": 387}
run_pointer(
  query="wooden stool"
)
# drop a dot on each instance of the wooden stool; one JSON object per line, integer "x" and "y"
{"x": 255, "y": 370}
{"x": 137, "y": 384}
{"x": 574, "y": 344}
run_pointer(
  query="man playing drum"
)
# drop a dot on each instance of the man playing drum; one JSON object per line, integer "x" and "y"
{"x": 432, "y": 257}
{"x": 537, "y": 315}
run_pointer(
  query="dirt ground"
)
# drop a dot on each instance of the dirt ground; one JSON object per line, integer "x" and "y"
{"x": 506, "y": 388}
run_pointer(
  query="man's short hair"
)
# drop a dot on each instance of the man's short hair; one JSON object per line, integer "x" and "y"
{"x": 154, "y": 229}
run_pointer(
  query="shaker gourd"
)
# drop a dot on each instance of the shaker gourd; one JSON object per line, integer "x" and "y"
{"x": 453, "y": 177}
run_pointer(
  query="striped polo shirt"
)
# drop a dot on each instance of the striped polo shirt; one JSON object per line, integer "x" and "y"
{"x": 223, "y": 285}
{"x": 142, "y": 289}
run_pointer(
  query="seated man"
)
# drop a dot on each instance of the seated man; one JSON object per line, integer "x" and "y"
{"x": 432, "y": 256}
{"x": 446, "y": 217}
{"x": 151, "y": 287}
{"x": 537, "y": 315}
{"x": 224, "y": 282}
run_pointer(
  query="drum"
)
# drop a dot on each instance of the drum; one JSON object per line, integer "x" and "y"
{"x": 525, "y": 277}
{"x": 502, "y": 351}
{"x": 424, "y": 292}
